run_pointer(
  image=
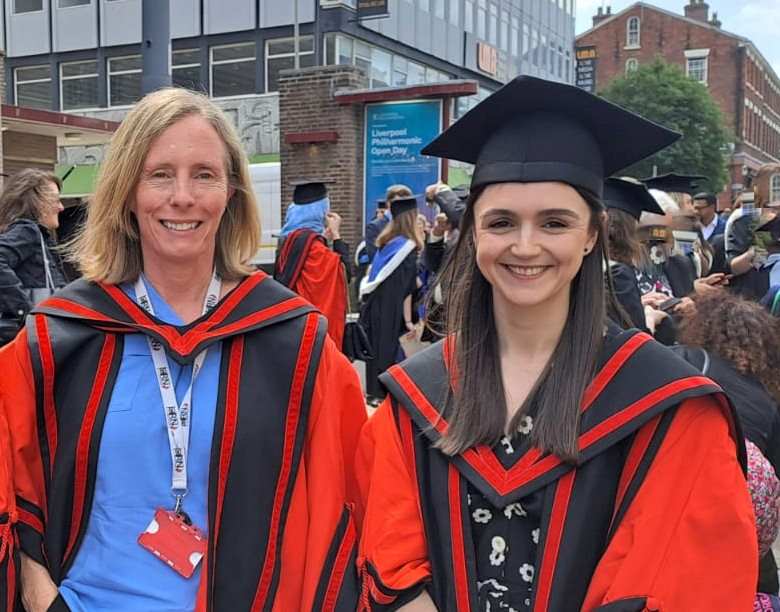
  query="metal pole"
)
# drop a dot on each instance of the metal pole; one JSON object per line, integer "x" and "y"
{"x": 296, "y": 34}
{"x": 156, "y": 47}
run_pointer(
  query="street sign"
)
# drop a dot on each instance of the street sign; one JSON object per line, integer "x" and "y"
{"x": 395, "y": 133}
{"x": 587, "y": 58}
{"x": 371, "y": 9}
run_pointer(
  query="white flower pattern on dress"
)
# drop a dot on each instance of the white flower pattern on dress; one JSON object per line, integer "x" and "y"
{"x": 527, "y": 572}
{"x": 514, "y": 509}
{"x": 526, "y": 425}
{"x": 482, "y": 515}
{"x": 535, "y": 536}
{"x": 507, "y": 444}
{"x": 497, "y": 556}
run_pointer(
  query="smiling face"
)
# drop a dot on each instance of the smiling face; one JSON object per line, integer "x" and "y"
{"x": 50, "y": 206}
{"x": 530, "y": 240}
{"x": 182, "y": 194}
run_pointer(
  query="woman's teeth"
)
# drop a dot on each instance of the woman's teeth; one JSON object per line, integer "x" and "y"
{"x": 526, "y": 270}
{"x": 180, "y": 227}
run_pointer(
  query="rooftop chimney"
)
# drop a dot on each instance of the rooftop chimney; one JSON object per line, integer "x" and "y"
{"x": 715, "y": 21}
{"x": 601, "y": 15}
{"x": 698, "y": 10}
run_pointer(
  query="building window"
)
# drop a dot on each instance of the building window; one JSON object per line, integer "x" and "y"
{"x": 438, "y": 8}
{"x": 425, "y": 5}
{"x": 33, "y": 86}
{"x": 70, "y": 3}
{"x": 696, "y": 64}
{"x": 124, "y": 80}
{"x": 280, "y": 55}
{"x": 515, "y": 37}
{"x": 233, "y": 70}
{"x": 400, "y": 70}
{"x": 632, "y": 65}
{"x": 481, "y": 19}
{"x": 468, "y": 16}
{"x": 185, "y": 69}
{"x": 27, "y": 6}
{"x": 454, "y": 12}
{"x": 526, "y": 40}
{"x": 774, "y": 188}
{"x": 79, "y": 85}
{"x": 415, "y": 74}
{"x": 381, "y": 62}
{"x": 632, "y": 32}
{"x": 493, "y": 33}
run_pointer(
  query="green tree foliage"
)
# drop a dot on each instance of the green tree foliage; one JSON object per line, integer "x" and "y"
{"x": 663, "y": 93}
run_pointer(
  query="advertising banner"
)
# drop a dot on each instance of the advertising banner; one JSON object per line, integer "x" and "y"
{"x": 394, "y": 135}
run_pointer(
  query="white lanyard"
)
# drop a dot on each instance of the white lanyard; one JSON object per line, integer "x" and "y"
{"x": 177, "y": 416}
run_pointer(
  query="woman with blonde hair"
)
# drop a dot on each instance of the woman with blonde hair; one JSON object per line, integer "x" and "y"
{"x": 29, "y": 266}
{"x": 174, "y": 413}
{"x": 387, "y": 291}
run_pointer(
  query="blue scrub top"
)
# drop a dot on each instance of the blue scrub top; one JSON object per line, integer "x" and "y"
{"x": 111, "y": 571}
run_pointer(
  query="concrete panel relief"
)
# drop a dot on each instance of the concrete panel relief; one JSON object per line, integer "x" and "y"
{"x": 256, "y": 119}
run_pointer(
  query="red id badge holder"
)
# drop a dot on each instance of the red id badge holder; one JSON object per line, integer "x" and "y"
{"x": 171, "y": 538}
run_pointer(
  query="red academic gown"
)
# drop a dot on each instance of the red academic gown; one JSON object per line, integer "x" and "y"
{"x": 655, "y": 516}
{"x": 307, "y": 266}
{"x": 290, "y": 408}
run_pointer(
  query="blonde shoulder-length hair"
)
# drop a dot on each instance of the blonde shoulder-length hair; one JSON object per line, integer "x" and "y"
{"x": 108, "y": 247}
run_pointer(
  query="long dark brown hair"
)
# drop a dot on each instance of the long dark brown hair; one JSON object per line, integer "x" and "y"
{"x": 22, "y": 195}
{"x": 478, "y": 410}
{"x": 624, "y": 245}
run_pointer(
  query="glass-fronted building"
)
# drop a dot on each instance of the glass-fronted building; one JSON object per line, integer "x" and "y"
{"x": 83, "y": 56}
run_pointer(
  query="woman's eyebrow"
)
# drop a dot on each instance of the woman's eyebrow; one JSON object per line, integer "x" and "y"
{"x": 558, "y": 212}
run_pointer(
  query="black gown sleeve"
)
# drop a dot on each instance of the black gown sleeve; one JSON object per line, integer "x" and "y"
{"x": 342, "y": 248}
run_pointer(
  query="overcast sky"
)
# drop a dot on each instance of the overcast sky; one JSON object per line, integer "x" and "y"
{"x": 758, "y": 20}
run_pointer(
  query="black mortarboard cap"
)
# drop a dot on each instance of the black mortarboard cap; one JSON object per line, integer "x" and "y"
{"x": 675, "y": 183}
{"x": 381, "y": 204}
{"x": 630, "y": 197}
{"x": 402, "y": 205}
{"x": 306, "y": 192}
{"x": 533, "y": 130}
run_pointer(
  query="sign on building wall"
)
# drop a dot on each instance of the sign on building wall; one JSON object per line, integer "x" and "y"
{"x": 371, "y": 9}
{"x": 395, "y": 134}
{"x": 487, "y": 58}
{"x": 587, "y": 58}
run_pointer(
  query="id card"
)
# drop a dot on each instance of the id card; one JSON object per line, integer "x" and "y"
{"x": 179, "y": 545}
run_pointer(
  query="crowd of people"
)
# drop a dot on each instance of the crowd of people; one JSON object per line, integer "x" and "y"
{"x": 570, "y": 401}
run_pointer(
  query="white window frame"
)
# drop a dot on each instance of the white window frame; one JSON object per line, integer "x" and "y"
{"x": 698, "y": 54}
{"x": 230, "y": 61}
{"x": 95, "y": 75}
{"x": 16, "y": 79}
{"x": 291, "y": 54}
{"x": 109, "y": 74}
{"x": 632, "y": 65}
{"x": 15, "y": 12}
{"x": 774, "y": 188}
{"x": 633, "y": 34}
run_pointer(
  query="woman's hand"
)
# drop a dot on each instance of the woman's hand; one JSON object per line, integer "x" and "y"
{"x": 654, "y": 299}
{"x": 653, "y": 318}
{"x": 333, "y": 226}
{"x": 38, "y": 589}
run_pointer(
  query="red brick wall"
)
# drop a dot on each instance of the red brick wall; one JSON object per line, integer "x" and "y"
{"x": 669, "y": 37}
{"x": 307, "y": 104}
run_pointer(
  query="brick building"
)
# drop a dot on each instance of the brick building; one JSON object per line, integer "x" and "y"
{"x": 739, "y": 78}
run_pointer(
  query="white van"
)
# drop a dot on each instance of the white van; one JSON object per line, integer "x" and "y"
{"x": 267, "y": 185}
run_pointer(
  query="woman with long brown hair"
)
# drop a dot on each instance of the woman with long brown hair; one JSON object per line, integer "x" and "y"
{"x": 29, "y": 266}
{"x": 525, "y": 461}
{"x": 387, "y": 290}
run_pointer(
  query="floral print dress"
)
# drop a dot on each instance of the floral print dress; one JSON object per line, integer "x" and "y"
{"x": 506, "y": 539}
